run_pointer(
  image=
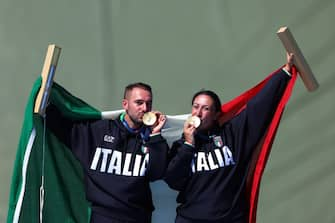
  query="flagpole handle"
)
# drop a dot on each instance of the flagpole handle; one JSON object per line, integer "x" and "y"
{"x": 48, "y": 72}
{"x": 304, "y": 69}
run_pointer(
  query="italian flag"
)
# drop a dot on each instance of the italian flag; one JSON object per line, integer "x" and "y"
{"x": 47, "y": 182}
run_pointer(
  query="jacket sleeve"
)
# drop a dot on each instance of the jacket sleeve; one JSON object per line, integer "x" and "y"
{"x": 158, "y": 149}
{"x": 254, "y": 120}
{"x": 73, "y": 134}
{"x": 179, "y": 168}
{"x": 59, "y": 125}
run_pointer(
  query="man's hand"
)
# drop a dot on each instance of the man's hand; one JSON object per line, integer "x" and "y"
{"x": 161, "y": 119}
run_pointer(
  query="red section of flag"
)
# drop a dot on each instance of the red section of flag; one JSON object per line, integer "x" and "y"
{"x": 232, "y": 108}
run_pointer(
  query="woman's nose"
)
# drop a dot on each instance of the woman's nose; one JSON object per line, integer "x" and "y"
{"x": 197, "y": 112}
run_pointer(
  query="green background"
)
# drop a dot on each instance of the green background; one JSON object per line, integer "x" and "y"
{"x": 179, "y": 47}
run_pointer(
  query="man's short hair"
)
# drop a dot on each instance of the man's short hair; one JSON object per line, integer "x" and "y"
{"x": 141, "y": 85}
{"x": 212, "y": 95}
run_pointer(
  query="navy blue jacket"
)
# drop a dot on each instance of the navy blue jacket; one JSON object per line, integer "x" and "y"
{"x": 118, "y": 164}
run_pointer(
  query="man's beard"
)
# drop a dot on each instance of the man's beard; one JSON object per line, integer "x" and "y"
{"x": 135, "y": 121}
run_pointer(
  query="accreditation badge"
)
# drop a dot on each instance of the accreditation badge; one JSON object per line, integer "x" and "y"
{"x": 144, "y": 149}
{"x": 218, "y": 141}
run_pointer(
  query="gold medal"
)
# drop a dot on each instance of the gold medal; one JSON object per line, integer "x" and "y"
{"x": 194, "y": 120}
{"x": 149, "y": 118}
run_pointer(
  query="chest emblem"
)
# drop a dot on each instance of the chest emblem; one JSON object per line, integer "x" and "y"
{"x": 218, "y": 141}
{"x": 108, "y": 138}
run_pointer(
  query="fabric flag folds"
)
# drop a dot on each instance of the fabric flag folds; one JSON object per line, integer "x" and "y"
{"x": 64, "y": 197}
{"x": 261, "y": 154}
{"x": 47, "y": 182}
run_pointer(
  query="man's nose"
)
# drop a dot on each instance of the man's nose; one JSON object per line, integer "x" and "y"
{"x": 145, "y": 107}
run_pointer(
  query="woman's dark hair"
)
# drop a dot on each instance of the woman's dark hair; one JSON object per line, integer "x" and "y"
{"x": 212, "y": 95}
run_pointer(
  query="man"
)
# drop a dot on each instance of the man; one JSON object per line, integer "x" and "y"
{"x": 209, "y": 164}
{"x": 119, "y": 157}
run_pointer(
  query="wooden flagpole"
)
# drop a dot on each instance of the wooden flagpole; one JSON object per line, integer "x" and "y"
{"x": 48, "y": 72}
{"x": 304, "y": 70}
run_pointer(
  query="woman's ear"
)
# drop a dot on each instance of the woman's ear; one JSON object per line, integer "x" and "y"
{"x": 217, "y": 116}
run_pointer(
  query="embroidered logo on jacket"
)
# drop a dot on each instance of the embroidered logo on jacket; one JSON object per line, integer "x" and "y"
{"x": 118, "y": 163}
{"x": 108, "y": 138}
{"x": 218, "y": 158}
{"x": 218, "y": 141}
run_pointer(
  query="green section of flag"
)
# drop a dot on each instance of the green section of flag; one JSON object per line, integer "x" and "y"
{"x": 64, "y": 196}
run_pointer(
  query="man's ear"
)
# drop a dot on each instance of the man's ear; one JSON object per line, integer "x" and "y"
{"x": 125, "y": 104}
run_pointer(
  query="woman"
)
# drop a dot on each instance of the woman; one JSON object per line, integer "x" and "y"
{"x": 209, "y": 164}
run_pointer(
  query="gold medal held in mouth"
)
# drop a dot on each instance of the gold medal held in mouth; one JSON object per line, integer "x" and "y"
{"x": 194, "y": 120}
{"x": 149, "y": 118}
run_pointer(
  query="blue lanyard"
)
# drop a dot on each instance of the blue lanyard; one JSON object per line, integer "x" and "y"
{"x": 144, "y": 131}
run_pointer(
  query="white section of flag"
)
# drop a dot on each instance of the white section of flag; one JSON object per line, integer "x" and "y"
{"x": 171, "y": 131}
